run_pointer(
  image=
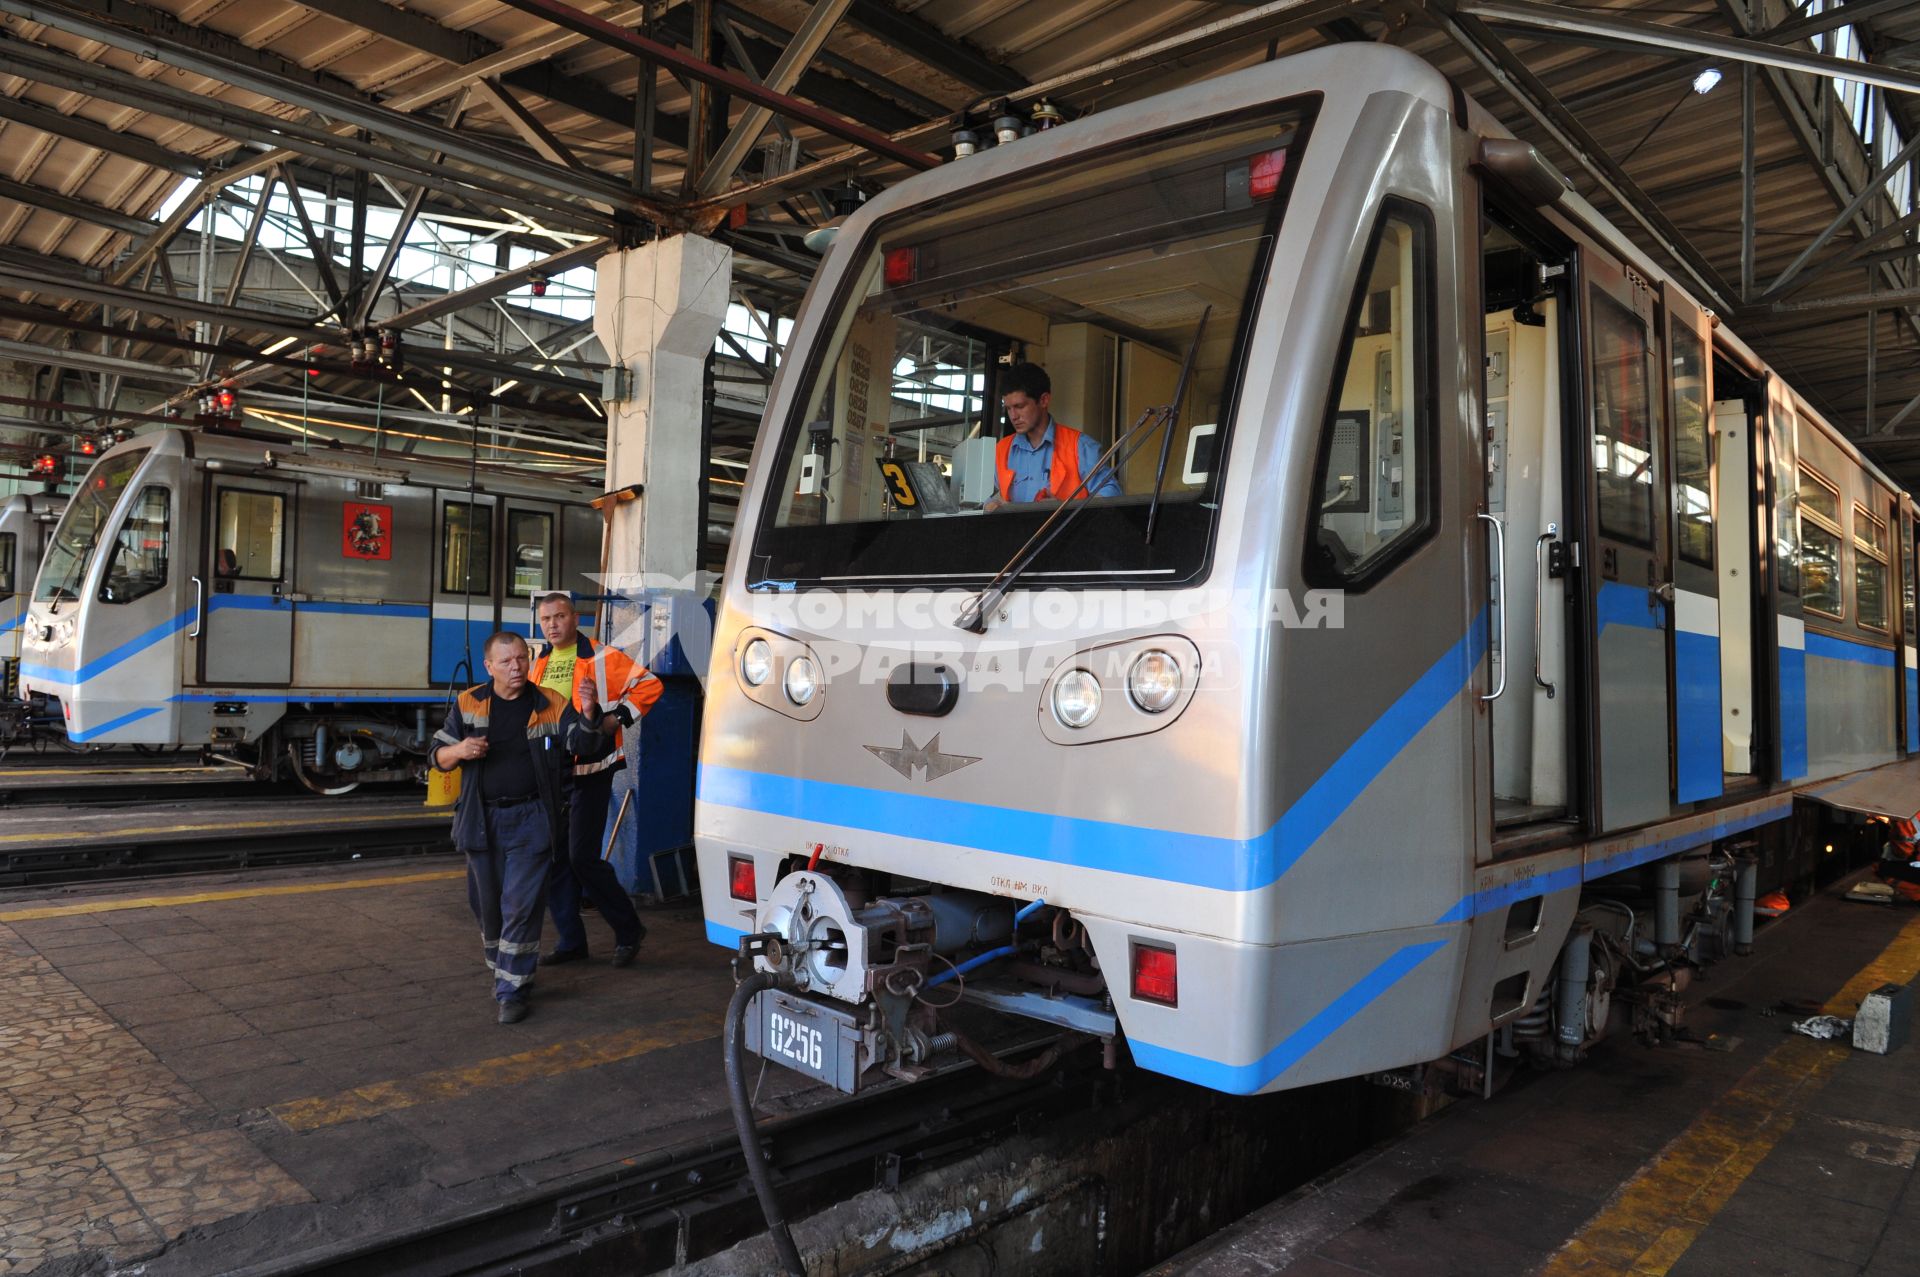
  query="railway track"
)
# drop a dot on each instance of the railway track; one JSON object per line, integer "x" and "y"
{"x": 695, "y": 1201}
{"x": 89, "y": 841}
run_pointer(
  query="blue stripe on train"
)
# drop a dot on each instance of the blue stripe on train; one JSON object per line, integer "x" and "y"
{"x": 1698, "y": 749}
{"x": 1828, "y": 647}
{"x": 1913, "y": 711}
{"x": 1204, "y": 860}
{"x": 1793, "y": 713}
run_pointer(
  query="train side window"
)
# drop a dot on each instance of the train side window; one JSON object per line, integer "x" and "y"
{"x": 1623, "y": 460}
{"x": 9, "y": 543}
{"x": 251, "y": 538}
{"x": 530, "y": 543}
{"x": 1693, "y": 448}
{"x": 1820, "y": 542}
{"x": 1372, "y": 486}
{"x": 466, "y": 549}
{"x": 1869, "y": 570}
{"x": 139, "y": 563}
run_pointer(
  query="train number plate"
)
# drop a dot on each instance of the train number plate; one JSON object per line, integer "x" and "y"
{"x": 804, "y": 1038}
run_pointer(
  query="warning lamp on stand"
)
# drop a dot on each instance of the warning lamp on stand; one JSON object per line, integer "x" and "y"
{"x": 45, "y": 466}
{"x": 538, "y": 285}
{"x": 85, "y": 446}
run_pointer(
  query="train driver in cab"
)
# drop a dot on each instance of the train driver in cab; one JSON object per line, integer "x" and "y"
{"x": 1042, "y": 460}
{"x": 582, "y": 671}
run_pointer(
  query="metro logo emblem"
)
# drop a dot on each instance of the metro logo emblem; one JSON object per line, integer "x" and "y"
{"x": 926, "y": 758}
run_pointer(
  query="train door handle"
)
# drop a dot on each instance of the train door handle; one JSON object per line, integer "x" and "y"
{"x": 1500, "y": 555}
{"x": 199, "y": 607}
{"x": 1540, "y": 574}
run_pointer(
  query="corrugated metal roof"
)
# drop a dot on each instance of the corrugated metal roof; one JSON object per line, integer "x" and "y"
{"x": 67, "y": 191}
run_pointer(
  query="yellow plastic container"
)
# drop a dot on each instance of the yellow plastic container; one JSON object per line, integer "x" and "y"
{"x": 443, "y": 788}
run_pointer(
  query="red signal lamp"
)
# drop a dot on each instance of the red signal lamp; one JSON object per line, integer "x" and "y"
{"x": 1156, "y": 975}
{"x": 87, "y": 446}
{"x": 224, "y": 401}
{"x": 902, "y": 266}
{"x": 538, "y": 285}
{"x": 740, "y": 882}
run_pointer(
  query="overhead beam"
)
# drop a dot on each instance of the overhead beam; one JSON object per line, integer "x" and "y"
{"x": 66, "y": 206}
{"x": 87, "y": 361}
{"x": 1850, "y": 14}
{"x": 738, "y": 85}
{"x": 1849, "y": 303}
{"x": 115, "y": 141}
{"x": 504, "y": 282}
{"x": 180, "y": 308}
{"x": 807, "y": 41}
{"x": 1527, "y": 90}
{"x": 844, "y": 68}
{"x": 1587, "y": 26}
{"x": 928, "y": 44}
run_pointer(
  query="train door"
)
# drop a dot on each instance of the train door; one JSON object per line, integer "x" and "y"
{"x": 1526, "y": 490}
{"x": 246, "y": 628}
{"x": 1909, "y": 632}
{"x": 1788, "y": 664}
{"x": 466, "y": 587}
{"x": 1631, "y": 588}
{"x": 1736, "y": 514}
{"x": 1695, "y": 635}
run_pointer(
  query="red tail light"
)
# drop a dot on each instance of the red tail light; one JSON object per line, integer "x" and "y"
{"x": 902, "y": 267}
{"x": 1156, "y": 975}
{"x": 1264, "y": 174}
{"x": 740, "y": 878}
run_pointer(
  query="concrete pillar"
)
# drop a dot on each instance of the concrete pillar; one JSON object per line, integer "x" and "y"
{"x": 657, "y": 311}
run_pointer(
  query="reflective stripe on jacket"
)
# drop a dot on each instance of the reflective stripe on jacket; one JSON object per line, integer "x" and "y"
{"x": 1063, "y": 468}
{"x": 555, "y": 732}
{"x": 627, "y": 690}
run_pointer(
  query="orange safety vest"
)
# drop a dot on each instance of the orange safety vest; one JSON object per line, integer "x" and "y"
{"x": 1063, "y": 474}
{"x": 621, "y": 683}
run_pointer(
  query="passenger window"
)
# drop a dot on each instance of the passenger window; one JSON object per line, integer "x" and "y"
{"x": 8, "y": 546}
{"x": 1623, "y": 460}
{"x": 251, "y": 526}
{"x": 139, "y": 563}
{"x": 466, "y": 550}
{"x": 1692, "y": 447}
{"x": 1870, "y": 570}
{"x": 1373, "y": 499}
{"x": 530, "y": 542}
{"x": 1820, "y": 539}
{"x": 1784, "y": 461}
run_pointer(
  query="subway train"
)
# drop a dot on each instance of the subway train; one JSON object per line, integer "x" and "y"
{"x": 25, "y": 522}
{"x": 1476, "y": 625}
{"x": 300, "y": 612}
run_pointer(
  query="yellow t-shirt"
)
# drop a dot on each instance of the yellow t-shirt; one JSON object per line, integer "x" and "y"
{"x": 559, "y": 675}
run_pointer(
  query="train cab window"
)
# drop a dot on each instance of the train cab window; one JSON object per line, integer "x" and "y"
{"x": 70, "y": 552}
{"x": 251, "y": 530}
{"x": 9, "y": 547}
{"x": 1820, "y": 542}
{"x": 466, "y": 550}
{"x": 139, "y": 563}
{"x": 1869, "y": 570}
{"x": 530, "y": 543}
{"x": 1372, "y": 489}
{"x": 1623, "y": 459}
{"x": 1692, "y": 448}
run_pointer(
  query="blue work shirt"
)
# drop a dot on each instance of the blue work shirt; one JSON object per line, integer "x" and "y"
{"x": 1033, "y": 467}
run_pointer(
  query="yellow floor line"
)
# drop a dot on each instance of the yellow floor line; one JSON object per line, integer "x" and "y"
{"x": 1658, "y": 1214}
{"x": 506, "y": 1070}
{"x": 213, "y": 826}
{"x": 109, "y": 773}
{"x": 204, "y": 897}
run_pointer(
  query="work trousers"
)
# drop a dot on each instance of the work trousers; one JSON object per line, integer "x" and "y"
{"x": 507, "y": 887}
{"x": 583, "y": 870}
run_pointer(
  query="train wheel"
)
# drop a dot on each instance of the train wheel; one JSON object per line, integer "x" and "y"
{"x": 312, "y": 785}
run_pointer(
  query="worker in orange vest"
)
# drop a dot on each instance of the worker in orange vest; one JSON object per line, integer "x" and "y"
{"x": 583, "y": 671}
{"x": 1042, "y": 460}
{"x": 1899, "y": 865}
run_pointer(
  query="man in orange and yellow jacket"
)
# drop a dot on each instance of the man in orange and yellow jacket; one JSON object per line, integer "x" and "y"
{"x": 585, "y": 673}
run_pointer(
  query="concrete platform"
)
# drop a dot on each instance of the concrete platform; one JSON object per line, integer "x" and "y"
{"x": 1755, "y": 1151}
{"x": 252, "y": 1065}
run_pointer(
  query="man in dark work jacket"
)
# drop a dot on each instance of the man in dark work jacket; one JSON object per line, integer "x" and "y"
{"x": 515, "y": 742}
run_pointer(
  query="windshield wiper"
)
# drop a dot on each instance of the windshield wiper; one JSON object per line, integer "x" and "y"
{"x": 973, "y": 617}
{"x": 1173, "y": 424}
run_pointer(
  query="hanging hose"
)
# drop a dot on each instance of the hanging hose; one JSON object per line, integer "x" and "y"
{"x": 756, "y": 1157}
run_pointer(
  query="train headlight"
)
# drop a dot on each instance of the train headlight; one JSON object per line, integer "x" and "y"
{"x": 1076, "y": 698}
{"x": 756, "y": 662}
{"x": 1154, "y": 681}
{"x": 802, "y": 680}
